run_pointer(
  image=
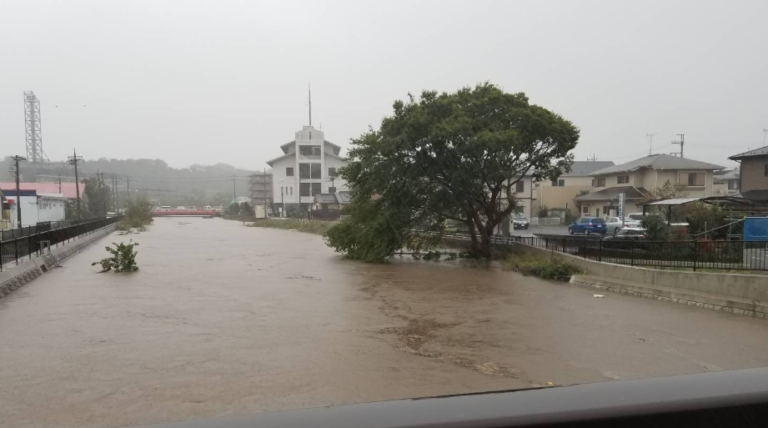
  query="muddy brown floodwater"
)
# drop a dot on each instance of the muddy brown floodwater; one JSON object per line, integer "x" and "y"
{"x": 223, "y": 319}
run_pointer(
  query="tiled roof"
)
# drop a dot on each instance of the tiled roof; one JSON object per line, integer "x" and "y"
{"x": 658, "y": 162}
{"x": 584, "y": 168}
{"x": 630, "y": 192}
{"x": 762, "y": 151}
{"x": 67, "y": 189}
{"x": 325, "y": 198}
{"x": 345, "y": 197}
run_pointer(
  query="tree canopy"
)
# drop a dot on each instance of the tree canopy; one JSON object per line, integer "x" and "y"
{"x": 450, "y": 156}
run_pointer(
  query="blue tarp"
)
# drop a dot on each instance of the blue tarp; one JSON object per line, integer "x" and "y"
{"x": 756, "y": 229}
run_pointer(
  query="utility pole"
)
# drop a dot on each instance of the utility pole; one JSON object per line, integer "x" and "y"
{"x": 265, "y": 193}
{"x": 593, "y": 158}
{"x": 117, "y": 196}
{"x": 16, "y": 159}
{"x": 234, "y": 188}
{"x": 128, "y": 186}
{"x": 765, "y": 133}
{"x": 73, "y": 160}
{"x": 681, "y": 143}
{"x": 650, "y": 142}
{"x": 59, "y": 184}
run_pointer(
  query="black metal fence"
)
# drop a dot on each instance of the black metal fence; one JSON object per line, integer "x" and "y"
{"x": 9, "y": 234}
{"x": 728, "y": 255}
{"x": 26, "y": 245}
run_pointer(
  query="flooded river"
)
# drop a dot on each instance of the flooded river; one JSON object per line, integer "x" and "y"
{"x": 224, "y": 319}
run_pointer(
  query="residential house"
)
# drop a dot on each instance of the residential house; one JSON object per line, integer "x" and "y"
{"x": 558, "y": 194}
{"x": 526, "y": 195}
{"x": 753, "y": 180}
{"x": 635, "y": 178}
{"x": 67, "y": 190}
{"x": 726, "y": 182}
{"x": 307, "y": 167}
{"x": 35, "y": 208}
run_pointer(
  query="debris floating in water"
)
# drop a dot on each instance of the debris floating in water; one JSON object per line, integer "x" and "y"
{"x": 599, "y": 296}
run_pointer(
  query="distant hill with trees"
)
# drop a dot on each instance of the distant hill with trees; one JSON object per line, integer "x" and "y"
{"x": 154, "y": 178}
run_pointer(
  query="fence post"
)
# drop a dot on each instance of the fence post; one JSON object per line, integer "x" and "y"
{"x": 695, "y": 254}
{"x": 600, "y": 252}
{"x": 632, "y": 256}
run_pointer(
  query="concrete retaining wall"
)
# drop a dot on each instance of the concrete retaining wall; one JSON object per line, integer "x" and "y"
{"x": 17, "y": 276}
{"x": 738, "y": 293}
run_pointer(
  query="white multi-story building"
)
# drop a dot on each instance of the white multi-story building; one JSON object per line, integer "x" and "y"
{"x": 307, "y": 168}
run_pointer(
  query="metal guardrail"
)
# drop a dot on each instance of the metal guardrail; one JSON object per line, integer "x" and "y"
{"x": 27, "y": 245}
{"x": 718, "y": 255}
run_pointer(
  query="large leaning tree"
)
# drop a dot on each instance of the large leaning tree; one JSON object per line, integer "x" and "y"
{"x": 443, "y": 157}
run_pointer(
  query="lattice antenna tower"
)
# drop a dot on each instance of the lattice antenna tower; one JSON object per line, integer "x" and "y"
{"x": 34, "y": 137}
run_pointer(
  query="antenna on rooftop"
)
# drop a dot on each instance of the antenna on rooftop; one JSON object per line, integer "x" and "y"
{"x": 650, "y": 142}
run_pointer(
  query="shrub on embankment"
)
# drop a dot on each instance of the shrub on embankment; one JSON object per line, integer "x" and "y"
{"x": 543, "y": 266}
{"x": 316, "y": 227}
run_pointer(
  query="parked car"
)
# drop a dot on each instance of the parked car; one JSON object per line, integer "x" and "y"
{"x": 588, "y": 225}
{"x": 627, "y": 234}
{"x": 520, "y": 221}
{"x": 615, "y": 224}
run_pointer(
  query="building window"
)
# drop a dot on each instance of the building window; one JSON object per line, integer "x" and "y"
{"x": 331, "y": 171}
{"x": 304, "y": 171}
{"x": 692, "y": 179}
{"x": 281, "y": 191}
{"x": 584, "y": 209}
{"x": 309, "y": 150}
{"x": 291, "y": 191}
{"x": 519, "y": 187}
{"x": 598, "y": 182}
{"x": 316, "y": 172}
{"x": 558, "y": 183}
{"x": 622, "y": 179}
{"x": 554, "y": 183}
{"x": 306, "y": 188}
{"x": 331, "y": 190}
{"x": 734, "y": 184}
{"x": 289, "y": 172}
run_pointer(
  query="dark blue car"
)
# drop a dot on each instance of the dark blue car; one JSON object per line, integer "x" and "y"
{"x": 588, "y": 225}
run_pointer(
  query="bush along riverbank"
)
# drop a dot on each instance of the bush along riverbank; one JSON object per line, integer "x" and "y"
{"x": 543, "y": 266}
{"x": 316, "y": 227}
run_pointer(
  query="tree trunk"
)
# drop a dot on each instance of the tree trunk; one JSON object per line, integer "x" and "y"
{"x": 484, "y": 248}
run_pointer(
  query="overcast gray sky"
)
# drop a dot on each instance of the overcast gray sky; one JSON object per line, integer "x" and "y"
{"x": 226, "y": 81}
